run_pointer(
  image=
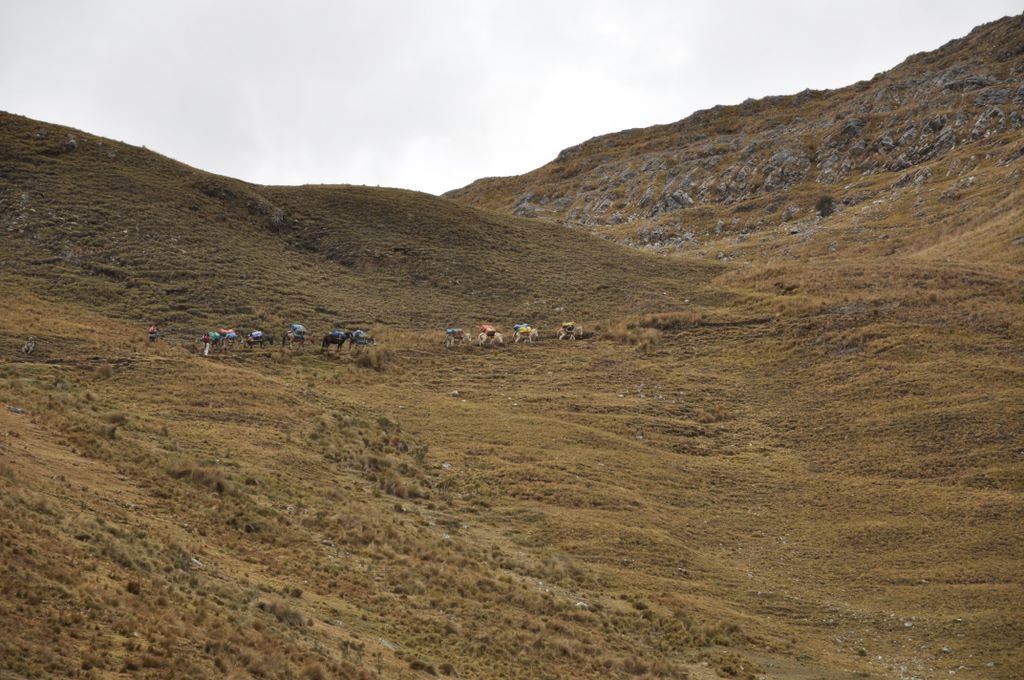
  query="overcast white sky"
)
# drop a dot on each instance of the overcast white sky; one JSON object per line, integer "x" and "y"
{"x": 431, "y": 95}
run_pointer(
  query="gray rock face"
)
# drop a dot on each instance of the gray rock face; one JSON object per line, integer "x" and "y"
{"x": 992, "y": 96}
{"x": 525, "y": 210}
{"x": 936, "y": 124}
{"x": 569, "y": 153}
{"x": 992, "y": 121}
{"x": 527, "y": 207}
{"x": 717, "y": 161}
{"x": 670, "y": 200}
{"x": 900, "y": 163}
{"x": 971, "y": 82}
{"x": 834, "y": 168}
{"x": 784, "y": 169}
{"x": 917, "y": 178}
{"x": 909, "y": 136}
{"x": 852, "y": 127}
{"x": 680, "y": 198}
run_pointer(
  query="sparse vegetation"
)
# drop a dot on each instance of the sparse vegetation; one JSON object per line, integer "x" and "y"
{"x": 747, "y": 469}
{"x": 825, "y": 205}
{"x": 377, "y": 358}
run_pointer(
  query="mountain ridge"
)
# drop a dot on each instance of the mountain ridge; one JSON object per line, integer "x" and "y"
{"x": 102, "y": 214}
{"x": 734, "y": 172}
{"x": 798, "y": 462}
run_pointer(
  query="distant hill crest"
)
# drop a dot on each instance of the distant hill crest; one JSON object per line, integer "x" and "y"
{"x": 936, "y": 119}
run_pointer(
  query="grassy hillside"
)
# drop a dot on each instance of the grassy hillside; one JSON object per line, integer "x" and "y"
{"x": 798, "y": 468}
{"x": 149, "y": 239}
{"x": 912, "y": 161}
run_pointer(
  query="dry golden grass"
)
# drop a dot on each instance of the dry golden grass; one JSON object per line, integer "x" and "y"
{"x": 960, "y": 202}
{"x": 744, "y": 471}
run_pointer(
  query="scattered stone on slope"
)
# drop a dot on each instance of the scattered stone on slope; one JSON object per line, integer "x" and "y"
{"x": 853, "y": 127}
{"x": 992, "y": 96}
{"x": 993, "y": 120}
{"x": 971, "y": 82}
{"x": 951, "y": 101}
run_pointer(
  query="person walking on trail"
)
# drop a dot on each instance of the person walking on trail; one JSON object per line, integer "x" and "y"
{"x": 154, "y": 333}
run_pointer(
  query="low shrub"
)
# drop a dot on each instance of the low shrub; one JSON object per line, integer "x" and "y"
{"x": 284, "y": 614}
{"x": 378, "y": 358}
{"x": 825, "y": 206}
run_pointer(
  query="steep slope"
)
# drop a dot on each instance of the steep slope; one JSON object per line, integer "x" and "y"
{"x": 151, "y": 239}
{"x": 264, "y": 513}
{"x": 910, "y": 158}
{"x": 805, "y": 469}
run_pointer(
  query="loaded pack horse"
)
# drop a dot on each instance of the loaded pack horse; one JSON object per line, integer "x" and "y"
{"x": 296, "y": 335}
{"x": 258, "y": 338}
{"x": 359, "y": 339}
{"x": 524, "y": 332}
{"x": 229, "y": 337}
{"x": 570, "y": 330}
{"x": 488, "y": 334}
{"x": 454, "y": 336}
{"x": 338, "y": 336}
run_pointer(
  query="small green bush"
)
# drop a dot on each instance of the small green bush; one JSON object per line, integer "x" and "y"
{"x": 825, "y": 206}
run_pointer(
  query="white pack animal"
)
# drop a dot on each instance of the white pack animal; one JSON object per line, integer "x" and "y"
{"x": 489, "y": 334}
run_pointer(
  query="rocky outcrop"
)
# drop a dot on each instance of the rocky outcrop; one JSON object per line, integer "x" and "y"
{"x": 768, "y": 156}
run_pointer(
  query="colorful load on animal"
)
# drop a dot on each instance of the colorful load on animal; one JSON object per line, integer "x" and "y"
{"x": 569, "y": 330}
{"x": 337, "y": 336}
{"x": 361, "y": 338}
{"x": 454, "y": 336}
{"x": 257, "y": 337}
{"x": 296, "y": 335}
{"x": 523, "y": 331}
{"x": 489, "y": 333}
